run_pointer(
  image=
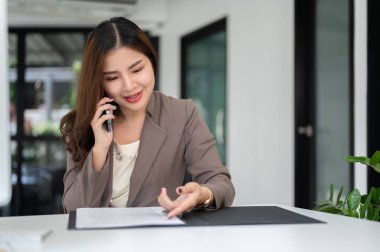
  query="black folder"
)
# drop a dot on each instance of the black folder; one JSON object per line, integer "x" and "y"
{"x": 247, "y": 215}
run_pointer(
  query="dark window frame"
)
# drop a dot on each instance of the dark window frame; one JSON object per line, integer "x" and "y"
{"x": 373, "y": 88}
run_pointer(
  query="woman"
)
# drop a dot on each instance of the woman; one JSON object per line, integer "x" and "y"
{"x": 154, "y": 138}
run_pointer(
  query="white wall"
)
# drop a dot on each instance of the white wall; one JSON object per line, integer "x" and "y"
{"x": 260, "y": 88}
{"x": 360, "y": 107}
{"x": 5, "y": 163}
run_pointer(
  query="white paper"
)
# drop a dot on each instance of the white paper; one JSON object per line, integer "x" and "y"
{"x": 123, "y": 217}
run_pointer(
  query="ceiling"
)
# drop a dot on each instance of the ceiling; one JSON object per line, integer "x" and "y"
{"x": 62, "y": 49}
{"x": 48, "y": 49}
{"x": 148, "y": 14}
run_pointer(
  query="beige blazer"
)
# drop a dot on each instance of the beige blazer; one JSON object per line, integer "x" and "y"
{"x": 174, "y": 138}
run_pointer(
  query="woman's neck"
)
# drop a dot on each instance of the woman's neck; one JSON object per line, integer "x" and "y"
{"x": 128, "y": 127}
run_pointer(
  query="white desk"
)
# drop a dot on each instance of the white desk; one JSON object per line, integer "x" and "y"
{"x": 339, "y": 234}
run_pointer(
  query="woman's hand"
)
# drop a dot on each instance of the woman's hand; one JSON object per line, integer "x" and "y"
{"x": 190, "y": 195}
{"x": 103, "y": 138}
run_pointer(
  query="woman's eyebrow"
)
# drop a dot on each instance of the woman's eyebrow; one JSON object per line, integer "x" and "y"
{"x": 135, "y": 64}
{"x": 110, "y": 72}
{"x": 131, "y": 66}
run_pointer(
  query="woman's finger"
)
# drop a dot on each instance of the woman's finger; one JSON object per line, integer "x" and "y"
{"x": 104, "y": 100}
{"x": 101, "y": 102}
{"x": 98, "y": 124}
{"x": 188, "y": 188}
{"x": 185, "y": 203}
{"x": 164, "y": 200}
{"x": 99, "y": 111}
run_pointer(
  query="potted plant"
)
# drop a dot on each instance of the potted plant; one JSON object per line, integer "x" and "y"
{"x": 365, "y": 206}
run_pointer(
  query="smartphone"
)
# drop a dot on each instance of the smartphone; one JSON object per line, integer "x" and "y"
{"x": 107, "y": 123}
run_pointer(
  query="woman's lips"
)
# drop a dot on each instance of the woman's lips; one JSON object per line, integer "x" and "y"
{"x": 134, "y": 98}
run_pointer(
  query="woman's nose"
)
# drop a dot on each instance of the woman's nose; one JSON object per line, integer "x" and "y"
{"x": 128, "y": 83}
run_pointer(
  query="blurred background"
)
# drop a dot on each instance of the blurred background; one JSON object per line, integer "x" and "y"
{"x": 282, "y": 85}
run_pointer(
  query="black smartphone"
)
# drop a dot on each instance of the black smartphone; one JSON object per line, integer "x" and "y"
{"x": 107, "y": 123}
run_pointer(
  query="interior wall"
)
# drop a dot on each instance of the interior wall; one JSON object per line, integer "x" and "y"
{"x": 260, "y": 100}
{"x": 360, "y": 89}
{"x": 5, "y": 162}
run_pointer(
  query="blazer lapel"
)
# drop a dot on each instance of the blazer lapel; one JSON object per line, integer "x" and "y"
{"x": 152, "y": 138}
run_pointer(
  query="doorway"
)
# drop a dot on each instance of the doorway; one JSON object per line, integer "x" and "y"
{"x": 323, "y": 98}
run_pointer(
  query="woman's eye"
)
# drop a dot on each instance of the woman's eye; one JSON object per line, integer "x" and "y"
{"x": 137, "y": 70}
{"x": 111, "y": 78}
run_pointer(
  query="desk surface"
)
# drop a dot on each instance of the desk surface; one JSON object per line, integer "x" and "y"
{"x": 340, "y": 233}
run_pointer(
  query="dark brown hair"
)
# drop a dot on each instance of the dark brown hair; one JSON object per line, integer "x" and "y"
{"x": 75, "y": 127}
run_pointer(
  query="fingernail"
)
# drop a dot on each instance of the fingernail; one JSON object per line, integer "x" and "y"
{"x": 114, "y": 107}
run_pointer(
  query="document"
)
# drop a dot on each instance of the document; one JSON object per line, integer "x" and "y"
{"x": 89, "y": 218}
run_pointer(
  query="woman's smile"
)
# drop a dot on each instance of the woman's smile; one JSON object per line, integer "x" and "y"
{"x": 134, "y": 98}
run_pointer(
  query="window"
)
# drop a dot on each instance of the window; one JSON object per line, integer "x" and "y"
{"x": 204, "y": 77}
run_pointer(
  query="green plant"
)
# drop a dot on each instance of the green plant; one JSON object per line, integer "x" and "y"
{"x": 355, "y": 205}
{"x": 373, "y": 162}
{"x": 47, "y": 128}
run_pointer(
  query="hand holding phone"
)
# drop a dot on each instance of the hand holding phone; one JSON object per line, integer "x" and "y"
{"x": 108, "y": 123}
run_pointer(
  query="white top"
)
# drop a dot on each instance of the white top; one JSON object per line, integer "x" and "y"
{"x": 124, "y": 160}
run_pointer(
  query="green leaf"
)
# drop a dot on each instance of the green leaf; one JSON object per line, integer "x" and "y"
{"x": 353, "y": 200}
{"x": 330, "y": 209}
{"x": 363, "y": 198}
{"x": 375, "y": 195}
{"x": 370, "y": 212}
{"x": 340, "y": 203}
{"x": 353, "y": 213}
{"x": 363, "y": 208}
{"x": 344, "y": 211}
{"x": 376, "y": 168}
{"x": 354, "y": 159}
{"x": 319, "y": 207}
{"x": 331, "y": 197}
{"x": 339, "y": 195}
{"x": 320, "y": 204}
{"x": 362, "y": 211}
{"x": 376, "y": 214}
{"x": 375, "y": 159}
{"x": 324, "y": 202}
{"x": 368, "y": 200}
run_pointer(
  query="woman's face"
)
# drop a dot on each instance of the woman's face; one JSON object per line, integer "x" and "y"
{"x": 128, "y": 78}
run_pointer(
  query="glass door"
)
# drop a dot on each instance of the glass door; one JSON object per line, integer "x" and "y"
{"x": 43, "y": 69}
{"x": 332, "y": 129}
{"x": 323, "y": 98}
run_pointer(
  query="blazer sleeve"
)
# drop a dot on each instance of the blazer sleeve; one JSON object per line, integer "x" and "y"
{"x": 203, "y": 161}
{"x": 83, "y": 186}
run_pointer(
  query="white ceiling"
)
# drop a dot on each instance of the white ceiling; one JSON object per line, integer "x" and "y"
{"x": 148, "y": 14}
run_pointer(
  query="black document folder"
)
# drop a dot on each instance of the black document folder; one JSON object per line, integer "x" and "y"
{"x": 247, "y": 215}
